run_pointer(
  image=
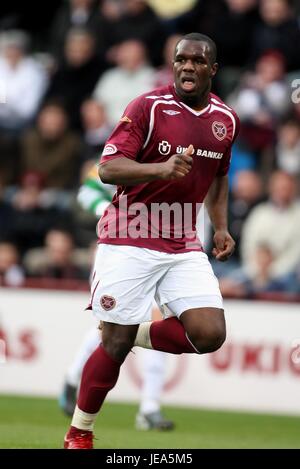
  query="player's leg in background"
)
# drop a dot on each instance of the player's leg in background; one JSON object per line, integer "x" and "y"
{"x": 68, "y": 397}
{"x": 154, "y": 373}
{"x": 150, "y": 416}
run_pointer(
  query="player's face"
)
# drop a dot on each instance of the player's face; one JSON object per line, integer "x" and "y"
{"x": 193, "y": 70}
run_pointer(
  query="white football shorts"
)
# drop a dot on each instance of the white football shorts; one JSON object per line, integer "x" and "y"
{"x": 127, "y": 279}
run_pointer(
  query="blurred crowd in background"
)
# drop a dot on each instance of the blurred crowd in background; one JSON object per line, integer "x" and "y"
{"x": 66, "y": 74}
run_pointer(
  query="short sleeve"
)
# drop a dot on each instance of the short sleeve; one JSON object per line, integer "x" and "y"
{"x": 225, "y": 162}
{"x": 129, "y": 136}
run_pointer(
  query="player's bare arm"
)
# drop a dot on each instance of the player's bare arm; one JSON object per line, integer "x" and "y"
{"x": 123, "y": 171}
{"x": 216, "y": 203}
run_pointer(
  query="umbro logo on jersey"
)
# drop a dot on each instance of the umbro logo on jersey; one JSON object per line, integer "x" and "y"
{"x": 170, "y": 112}
{"x": 109, "y": 149}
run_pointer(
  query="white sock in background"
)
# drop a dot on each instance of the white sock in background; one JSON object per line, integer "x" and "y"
{"x": 89, "y": 344}
{"x": 154, "y": 364}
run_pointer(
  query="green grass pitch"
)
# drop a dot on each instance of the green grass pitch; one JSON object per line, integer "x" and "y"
{"x": 38, "y": 423}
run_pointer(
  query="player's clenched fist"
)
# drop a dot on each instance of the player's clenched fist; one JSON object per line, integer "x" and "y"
{"x": 178, "y": 166}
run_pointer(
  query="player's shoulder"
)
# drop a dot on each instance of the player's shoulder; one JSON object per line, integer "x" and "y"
{"x": 139, "y": 109}
{"x": 163, "y": 93}
{"x": 220, "y": 106}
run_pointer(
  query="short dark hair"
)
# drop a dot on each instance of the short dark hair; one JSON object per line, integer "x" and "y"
{"x": 203, "y": 38}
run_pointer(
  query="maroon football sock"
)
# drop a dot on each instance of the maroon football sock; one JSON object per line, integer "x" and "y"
{"x": 168, "y": 335}
{"x": 99, "y": 376}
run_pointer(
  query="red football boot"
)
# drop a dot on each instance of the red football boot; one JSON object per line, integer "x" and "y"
{"x": 78, "y": 439}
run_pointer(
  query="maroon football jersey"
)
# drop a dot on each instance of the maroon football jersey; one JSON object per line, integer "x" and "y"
{"x": 161, "y": 214}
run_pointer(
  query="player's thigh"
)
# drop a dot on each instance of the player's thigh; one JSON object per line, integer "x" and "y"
{"x": 118, "y": 339}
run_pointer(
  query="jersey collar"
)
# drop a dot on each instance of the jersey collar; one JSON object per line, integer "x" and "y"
{"x": 196, "y": 113}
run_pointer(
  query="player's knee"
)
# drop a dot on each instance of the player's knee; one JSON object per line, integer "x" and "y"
{"x": 214, "y": 341}
{"x": 210, "y": 340}
{"x": 117, "y": 348}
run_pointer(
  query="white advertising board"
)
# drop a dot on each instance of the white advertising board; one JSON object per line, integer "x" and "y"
{"x": 257, "y": 369}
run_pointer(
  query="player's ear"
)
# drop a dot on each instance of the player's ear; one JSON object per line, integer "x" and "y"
{"x": 214, "y": 69}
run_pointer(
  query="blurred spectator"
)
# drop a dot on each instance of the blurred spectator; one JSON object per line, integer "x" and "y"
{"x": 280, "y": 30}
{"x": 51, "y": 148}
{"x": 261, "y": 100}
{"x": 233, "y": 31}
{"x": 288, "y": 147}
{"x": 264, "y": 258}
{"x": 131, "y": 77}
{"x": 122, "y": 20}
{"x": 9, "y": 159}
{"x": 6, "y": 216}
{"x": 77, "y": 75}
{"x": 264, "y": 94}
{"x": 165, "y": 75}
{"x": 246, "y": 193}
{"x": 168, "y": 9}
{"x": 11, "y": 273}
{"x": 34, "y": 212}
{"x": 201, "y": 17}
{"x": 24, "y": 80}
{"x": 294, "y": 281}
{"x": 296, "y": 107}
{"x": 172, "y": 13}
{"x": 238, "y": 19}
{"x": 72, "y": 13}
{"x": 57, "y": 259}
{"x": 275, "y": 223}
{"x": 95, "y": 128}
{"x": 241, "y": 284}
{"x": 243, "y": 159}
{"x": 30, "y": 16}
